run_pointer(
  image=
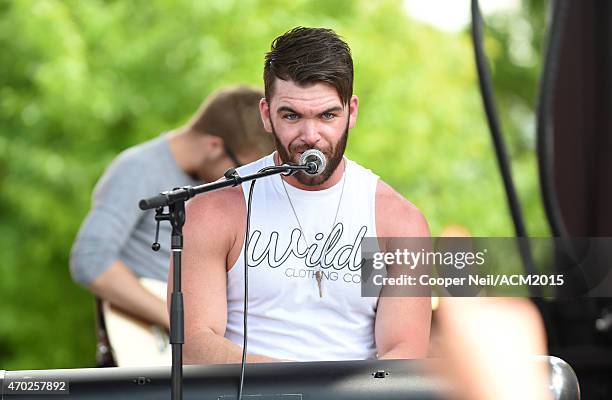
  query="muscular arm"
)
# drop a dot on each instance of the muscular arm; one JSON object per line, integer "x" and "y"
{"x": 213, "y": 239}
{"x": 402, "y": 323}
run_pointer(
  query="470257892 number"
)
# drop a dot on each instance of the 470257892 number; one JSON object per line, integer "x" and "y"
{"x": 23, "y": 386}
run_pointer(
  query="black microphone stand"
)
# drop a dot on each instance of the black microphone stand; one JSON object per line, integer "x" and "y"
{"x": 175, "y": 201}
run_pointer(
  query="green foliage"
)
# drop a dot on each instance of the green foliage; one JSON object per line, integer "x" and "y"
{"x": 82, "y": 80}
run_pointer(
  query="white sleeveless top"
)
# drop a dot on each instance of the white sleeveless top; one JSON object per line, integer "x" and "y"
{"x": 287, "y": 318}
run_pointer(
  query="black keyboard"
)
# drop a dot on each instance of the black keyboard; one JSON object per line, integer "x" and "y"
{"x": 333, "y": 380}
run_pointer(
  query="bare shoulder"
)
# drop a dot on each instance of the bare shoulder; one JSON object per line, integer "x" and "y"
{"x": 217, "y": 215}
{"x": 396, "y": 216}
{"x": 222, "y": 201}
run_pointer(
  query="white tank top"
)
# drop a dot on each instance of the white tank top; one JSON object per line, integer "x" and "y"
{"x": 287, "y": 317}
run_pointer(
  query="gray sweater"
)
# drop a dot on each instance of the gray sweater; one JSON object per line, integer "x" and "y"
{"x": 115, "y": 228}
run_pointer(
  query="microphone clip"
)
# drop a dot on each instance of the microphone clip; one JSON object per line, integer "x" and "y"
{"x": 289, "y": 171}
{"x": 312, "y": 168}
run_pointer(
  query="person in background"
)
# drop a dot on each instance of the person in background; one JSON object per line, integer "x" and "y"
{"x": 112, "y": 250}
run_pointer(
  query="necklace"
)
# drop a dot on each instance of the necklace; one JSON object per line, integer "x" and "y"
{"x": 318, "y": 274}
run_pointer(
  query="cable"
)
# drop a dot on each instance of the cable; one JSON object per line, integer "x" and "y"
{"x": 246, "y": 289}
{"x": 545, "y": 138}
{"x": 488, "y": 98}
{"x": 545, "y": 151}
{"x": 545, "y": 128}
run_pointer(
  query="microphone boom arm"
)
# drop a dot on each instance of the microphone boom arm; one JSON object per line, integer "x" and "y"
{"x": 184, "y": 193}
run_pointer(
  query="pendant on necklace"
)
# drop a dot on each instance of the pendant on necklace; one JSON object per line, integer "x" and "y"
{"x": 319, "y": 278}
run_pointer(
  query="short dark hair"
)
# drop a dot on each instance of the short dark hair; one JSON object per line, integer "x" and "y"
{"x": 307, "y": 56}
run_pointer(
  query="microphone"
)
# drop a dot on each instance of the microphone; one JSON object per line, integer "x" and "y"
{"x": 315, "y": 161}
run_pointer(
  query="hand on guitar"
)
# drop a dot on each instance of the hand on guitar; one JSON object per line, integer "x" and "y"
{"x": 136, "y": 317}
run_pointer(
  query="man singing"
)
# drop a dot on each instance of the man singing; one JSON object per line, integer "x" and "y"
{"x": 305, "y": 300}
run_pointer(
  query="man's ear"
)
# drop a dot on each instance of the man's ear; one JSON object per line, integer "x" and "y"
{"x": 214, "y": 141}
{"x": 213, "y": 145}
{"x": 354, "y": 109}
{"x": 264, "y": 110}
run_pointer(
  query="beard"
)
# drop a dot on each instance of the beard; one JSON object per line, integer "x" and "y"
{"x": 332, "y": 154}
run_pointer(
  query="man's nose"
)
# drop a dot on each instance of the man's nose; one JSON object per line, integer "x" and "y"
{"x": 309, "y": 132}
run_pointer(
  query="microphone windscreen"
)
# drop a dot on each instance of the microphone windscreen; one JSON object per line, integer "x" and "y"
{"x": 314, "y": 156}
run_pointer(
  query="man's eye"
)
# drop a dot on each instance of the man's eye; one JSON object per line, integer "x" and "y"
{"x": 328, "y": 115}
{"x": 290, "y": 117}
